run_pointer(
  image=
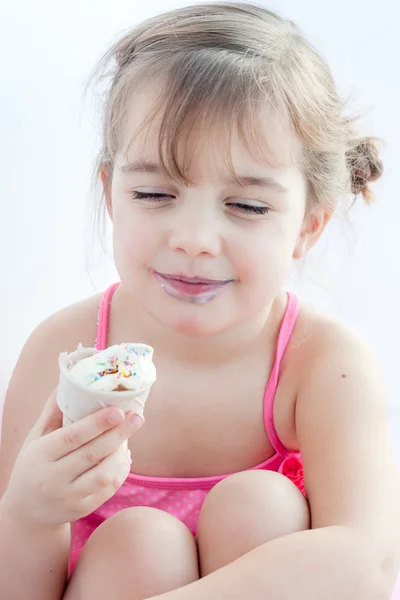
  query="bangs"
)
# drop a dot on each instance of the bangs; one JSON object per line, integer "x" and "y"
{"x": 207, "y": 97}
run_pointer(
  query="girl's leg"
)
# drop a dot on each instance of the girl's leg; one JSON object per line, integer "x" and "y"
{"x": 244, "y": 511}
{"x": 136, "y": 553}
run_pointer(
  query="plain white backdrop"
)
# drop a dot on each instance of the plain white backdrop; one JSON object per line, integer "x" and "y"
{"x": 48, "y": 144}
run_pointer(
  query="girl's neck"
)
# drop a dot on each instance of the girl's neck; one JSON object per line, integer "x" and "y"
{"x": 247, "y": 338}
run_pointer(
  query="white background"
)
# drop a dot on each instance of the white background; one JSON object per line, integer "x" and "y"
{"x": 48, "y": 144}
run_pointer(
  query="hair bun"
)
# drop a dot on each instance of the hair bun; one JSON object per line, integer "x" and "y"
{"x": 364, "y": 165}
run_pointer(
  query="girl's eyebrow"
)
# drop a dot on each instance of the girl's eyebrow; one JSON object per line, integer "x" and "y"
{"x": 242, "y": 180}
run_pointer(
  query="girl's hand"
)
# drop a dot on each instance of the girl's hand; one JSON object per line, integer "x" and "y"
{"x": 64, "y": 473}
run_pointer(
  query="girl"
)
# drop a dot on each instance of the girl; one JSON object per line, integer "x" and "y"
{"x": 264, "y": 468}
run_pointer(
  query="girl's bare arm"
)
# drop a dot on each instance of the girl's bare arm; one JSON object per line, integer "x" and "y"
{"x": 34, "y": 560}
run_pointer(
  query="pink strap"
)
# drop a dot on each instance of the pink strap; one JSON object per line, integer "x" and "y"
{"x": 103, "y": 317}
{"x": 285, "y": 333}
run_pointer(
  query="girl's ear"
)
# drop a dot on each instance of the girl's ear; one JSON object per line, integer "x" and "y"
{"x": 313, "y": 227}
{"x": 106, "y": 180}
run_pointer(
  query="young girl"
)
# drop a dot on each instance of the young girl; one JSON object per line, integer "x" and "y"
{"x": 264, "y": 468}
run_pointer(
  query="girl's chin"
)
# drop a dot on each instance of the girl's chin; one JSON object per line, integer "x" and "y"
{"x": 190, "y": 322}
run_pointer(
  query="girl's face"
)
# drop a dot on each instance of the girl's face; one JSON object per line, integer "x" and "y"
{"x": 204, "y": 259}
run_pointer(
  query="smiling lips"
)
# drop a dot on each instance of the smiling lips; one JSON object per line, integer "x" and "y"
{"x": 192, "y": 289}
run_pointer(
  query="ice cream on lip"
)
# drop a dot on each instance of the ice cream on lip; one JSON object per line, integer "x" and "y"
{"x": 120, "y": 367}
{"x": 194, "y": 278}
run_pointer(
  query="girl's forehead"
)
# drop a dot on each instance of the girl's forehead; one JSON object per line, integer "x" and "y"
{"x": 207, "y": 149}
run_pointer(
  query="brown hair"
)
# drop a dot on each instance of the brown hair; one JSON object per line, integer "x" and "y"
{"x": 225, "y": 59}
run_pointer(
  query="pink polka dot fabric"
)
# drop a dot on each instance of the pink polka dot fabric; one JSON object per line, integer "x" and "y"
{"x": 183, "y": 497}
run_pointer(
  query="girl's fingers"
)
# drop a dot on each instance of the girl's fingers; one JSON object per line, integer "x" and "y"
{"x": 61, "y": 442}
{"x": 104, "y": 479}
{"x": 88, "y": 456}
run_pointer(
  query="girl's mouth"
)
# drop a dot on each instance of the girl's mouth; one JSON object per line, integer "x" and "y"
{"x": 190, "y": 289}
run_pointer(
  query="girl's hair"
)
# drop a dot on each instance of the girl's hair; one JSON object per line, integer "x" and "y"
{"x": 220, "y": 63}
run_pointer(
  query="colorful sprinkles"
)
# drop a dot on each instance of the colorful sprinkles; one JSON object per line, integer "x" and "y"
{"x": 123, "y": 369}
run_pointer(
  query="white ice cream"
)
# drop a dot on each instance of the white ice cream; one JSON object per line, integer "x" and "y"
{"x": 117, "y": 368}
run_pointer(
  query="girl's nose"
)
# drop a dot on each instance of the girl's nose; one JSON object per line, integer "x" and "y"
{"x": 196, "y": 232}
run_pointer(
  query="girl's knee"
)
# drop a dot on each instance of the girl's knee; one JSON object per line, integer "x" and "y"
{"x": 246, "y": 510}
{"x": 138, "y": 552}
{"x": 143, "y": 523}
{"x": 142, "y": 533}
{"x": 266, "y": 497}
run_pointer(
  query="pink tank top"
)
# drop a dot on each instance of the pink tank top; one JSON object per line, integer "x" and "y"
{"x": 183, "y": 497}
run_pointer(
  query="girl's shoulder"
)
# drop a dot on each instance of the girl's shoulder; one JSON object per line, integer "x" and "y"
{"x": 60, "y": 332}
{"x": 324, "y": 355}
{"x": 318, "y": 335}
{"x": 333, "y": 363}
{"x": 73, "y": 324}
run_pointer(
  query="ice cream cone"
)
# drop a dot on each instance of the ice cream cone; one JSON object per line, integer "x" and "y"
{"x": 77, "y": 400}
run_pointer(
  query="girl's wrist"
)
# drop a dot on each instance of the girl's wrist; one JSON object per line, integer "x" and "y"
{"x": 13, "y": 516}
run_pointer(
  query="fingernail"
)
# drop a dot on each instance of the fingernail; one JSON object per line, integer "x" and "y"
{"x": 135, "y": 420}
{"x": 129, "y": 457}
{"x": 117, "y": 416}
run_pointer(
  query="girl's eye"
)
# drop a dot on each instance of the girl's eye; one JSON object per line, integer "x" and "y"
{"x": 157, "y": 197}
{"x": 248, "y": 208}
{"x": 149, "y": 197}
